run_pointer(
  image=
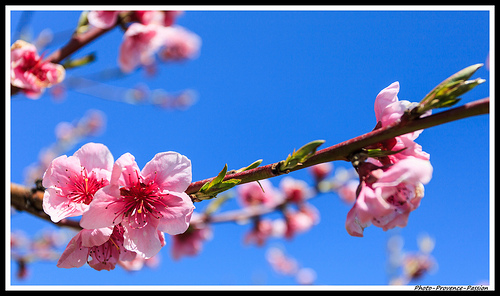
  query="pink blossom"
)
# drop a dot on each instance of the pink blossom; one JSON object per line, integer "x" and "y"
{"x": 262, "y": 229}
{"x": 190, "y": 242}
{"x": 388, "y": 109}
{"x": 102, "y": 19}
{"x": 294, "y": 190}
{"x": 387, "y": 195}
{"x": 29, "y": 72}
{"x": 252, "y": 194}
{"x": 140, "y": 44}
{"x": 300, "y": 221}
{"x": 320, "y": 171}
{"x": 104, "y": 245}
{"x": 164, "y": 18}
{"x": 179, "y": 44}
{"x": 71, "y": 182}
{"x": 144, "y": 201}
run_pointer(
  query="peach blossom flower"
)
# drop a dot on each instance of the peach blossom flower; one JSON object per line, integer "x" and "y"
{"x": 30, "y": 73}
{"x": 71, "y": 182}
{"x": 387, "y": 195}
{"x": 144, "y": 201}
{"x": 104, "y": 245}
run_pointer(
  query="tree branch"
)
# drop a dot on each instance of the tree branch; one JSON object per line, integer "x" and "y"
{"x": 342, "y": 150}
{"x": 25, "y": 199}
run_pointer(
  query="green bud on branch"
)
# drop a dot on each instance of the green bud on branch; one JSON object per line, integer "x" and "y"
{"x": 210, "y": 189}
{"x": 297, "y": 158}
{"x": 446, "y": 93}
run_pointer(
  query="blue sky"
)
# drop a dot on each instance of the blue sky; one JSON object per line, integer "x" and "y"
{"x": 268, "y": 82}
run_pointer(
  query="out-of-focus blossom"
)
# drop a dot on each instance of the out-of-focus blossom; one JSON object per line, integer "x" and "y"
{"x": 71, "y": 182}
{"x": 159, "y": 17}
{"x": 301, "y": 220}
{"x": 294, "y": 190}
{"x": 305, "y": 276}
{"x": 347, "y": 191}
{"x": 321, "y": 171}
{"x": 387, "y": 195}
{"x": 179, "y": 44}
{"x": 280, "y": 262}
{"x": 262, "y": 229}
{"x": 252, "y": 194}
{"x": 139, "y": 46}
{"x": 103, "y": 19}
{"x": 416, "y": 265}
{"x": 190, "y": 242}
{"x": 144, "y": 201}
{"x": 30, "y": 73}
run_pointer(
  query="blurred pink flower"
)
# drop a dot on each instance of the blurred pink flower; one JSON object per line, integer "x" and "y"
{"x": 388, "y": 194}
{"x": 159, "y": 17}
{"x": 103, "y": 19}
{"x": 320, "y": 171}
{"x": 294, "y": 190}
{"x": 29, "y": 72}
{"x": 144, "y": 201}
{"x": 179, "y": 44}
{"x": 262, "y": 229}
{"x": 251, "y": 194}
{"x": 140, "y": 44}
{"x": 190, "y": 242}
{"x": 300, "y": 221}
{"x": 71, "y": 182}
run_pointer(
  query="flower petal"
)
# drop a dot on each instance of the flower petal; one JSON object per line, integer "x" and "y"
{"x": 103, "y": 210}
{"x": 95, "y": 155}
{"x": 177, "y": 215}
{"x": 170, "y": 170}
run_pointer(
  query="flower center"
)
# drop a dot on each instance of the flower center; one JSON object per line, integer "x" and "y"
{"x": 142, "y": 200}
{"x": 85, "y": 186}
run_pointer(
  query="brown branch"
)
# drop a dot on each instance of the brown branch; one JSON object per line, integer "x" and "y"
{"x": 342, "y": 150}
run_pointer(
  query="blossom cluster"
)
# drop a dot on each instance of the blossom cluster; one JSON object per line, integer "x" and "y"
{"x": 390, "y": 186}
{"x": 150, "y": 33}
{"x": 124, "y": 210}
{"x": 30, "y": 72}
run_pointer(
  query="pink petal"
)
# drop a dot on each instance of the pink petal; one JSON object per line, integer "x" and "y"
{"x": 144, "y": 241}
{"x": 170, "y": 170}
{"x": 95, "y": 237}
{"x": 103, "y": 208}
{"x": 95, "y": 155}
{"x": 74, "y": 255}
{"x": 387, "y": 96}
{"x": 177, "y": 215}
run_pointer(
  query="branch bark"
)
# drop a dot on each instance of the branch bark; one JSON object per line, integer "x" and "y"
{"x": 342, "y": 150}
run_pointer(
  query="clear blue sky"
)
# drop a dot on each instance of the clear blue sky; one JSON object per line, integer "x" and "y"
{"x": 269, "y": 82}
